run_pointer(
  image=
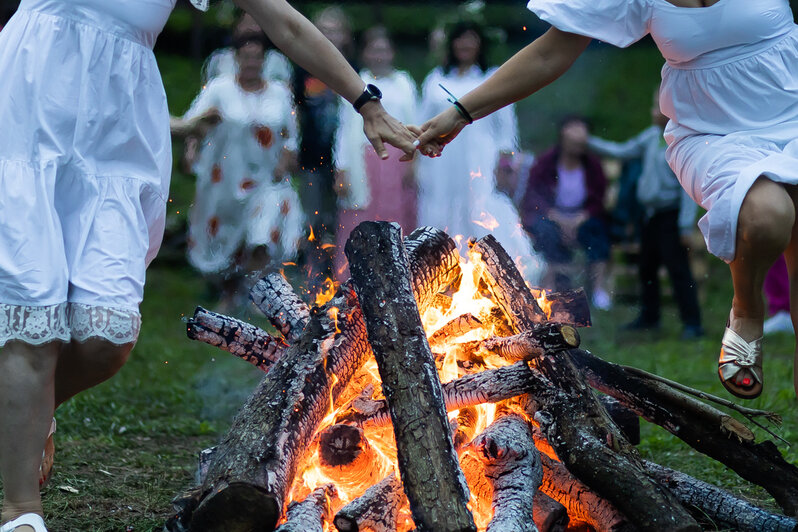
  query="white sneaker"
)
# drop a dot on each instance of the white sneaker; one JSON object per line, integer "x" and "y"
{"x": 780, "y": 322}
{"x": 601, "y": 299}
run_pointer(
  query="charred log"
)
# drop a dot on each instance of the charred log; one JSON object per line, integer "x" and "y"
{"x": 430, "y": 473}
{"x": 532, "y": 343}
{"x": 701, "y": 426}
{"x": 376, "y": 510}
{"x": 505, "y": 283}
{"x": 549, "y": 515}
{"x": 459, "y": 326}
{"x": 513, "y": 467}
{"x": 310, "y": 514}
{"x": 568, "y": 306}
{"x": 346, "y": 456}
{"x": 247, "y": 483}
{"x": 275, "y": 297}
{"x": 244, "y": 340}
{"x": 724, "y": 510}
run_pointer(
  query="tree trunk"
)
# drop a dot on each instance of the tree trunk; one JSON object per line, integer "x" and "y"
{"x": 428, "y": 465}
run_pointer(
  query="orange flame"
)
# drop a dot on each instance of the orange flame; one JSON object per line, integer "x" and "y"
{"x": 333, "y": 314}
{"x": 487, "y": 220}
{"x": 326, "y": 293}
{"x": 312, "y": 237}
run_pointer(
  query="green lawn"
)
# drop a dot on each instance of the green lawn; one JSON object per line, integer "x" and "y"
{"x": 125, "y": 448}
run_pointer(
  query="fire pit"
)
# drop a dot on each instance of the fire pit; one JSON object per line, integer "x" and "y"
{"x": 351, "y": 428}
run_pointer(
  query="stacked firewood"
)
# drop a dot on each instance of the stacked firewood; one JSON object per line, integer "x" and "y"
{"x": 558, "y": 454}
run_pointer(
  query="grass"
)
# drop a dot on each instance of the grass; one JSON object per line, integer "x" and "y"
{"x": 128, "y": 446}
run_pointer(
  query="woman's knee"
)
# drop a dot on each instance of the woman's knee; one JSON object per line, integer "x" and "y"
{"x": 767, "y": 215}
{"x": 101, "y": 355}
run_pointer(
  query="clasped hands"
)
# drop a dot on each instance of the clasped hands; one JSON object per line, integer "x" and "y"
{"x": 428, "y": 139}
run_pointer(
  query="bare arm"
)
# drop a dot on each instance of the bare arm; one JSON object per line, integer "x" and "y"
{"x": 304, "y": 44}
{"x": 534, "y": 67}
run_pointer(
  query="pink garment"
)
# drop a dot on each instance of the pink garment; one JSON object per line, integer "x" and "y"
{"x": 777, "y": 287}
{"x": 391, "y": 200}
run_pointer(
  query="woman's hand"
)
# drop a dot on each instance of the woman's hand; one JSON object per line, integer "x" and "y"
{"x": 440, "y": 131}
{"x": 380, "y": 127}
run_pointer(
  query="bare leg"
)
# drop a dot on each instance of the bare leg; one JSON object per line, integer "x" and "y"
{"x": 82, "y": 365}
{"x": 764, "y": 229}
{"x": 26, "y": 408}
{"x": 791, "y": 256}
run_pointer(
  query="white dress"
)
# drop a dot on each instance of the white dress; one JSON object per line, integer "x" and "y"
{"x": 729, "y": 87}
{"x": 85, "y": 160}
{"x": 237, "y": 202}
{"x": 457, "y": 191}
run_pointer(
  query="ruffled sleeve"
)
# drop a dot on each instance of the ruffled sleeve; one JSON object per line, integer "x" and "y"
{"x": 618, "y": 22}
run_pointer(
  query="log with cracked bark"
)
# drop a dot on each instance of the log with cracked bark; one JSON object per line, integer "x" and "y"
{"x": 568, "y": 306}
{"x": 275, "y": 297}
{"x": 239, "y": 338}
{"x": 428, "y": 465}
{"x": 346, "y": 456}
{"x": 532, "y": 343}
{"x": 376, "y": 510}
{"x": 721, "y": 508}
{"x": 549, "y": 515}
{"x": 513, "y": 468}
{"x": 248, "y": 481}
{"x": 576, "y": 424}
{"x": 312, "y": 513}
{"x": 703, "y": 427}
{"x": 455, "y": 328}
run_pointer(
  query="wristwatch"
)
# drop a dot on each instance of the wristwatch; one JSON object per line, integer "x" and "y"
{"x": 371, "y": 93}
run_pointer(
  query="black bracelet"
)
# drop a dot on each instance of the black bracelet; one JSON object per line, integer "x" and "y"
{"x": 457, "y": 105}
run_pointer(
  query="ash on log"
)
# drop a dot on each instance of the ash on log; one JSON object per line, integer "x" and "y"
{"x": 513, "y": 467}
{"x": 377, "y": 510}
{"x": 722, "y": 508}
{"x": 239, "y": 338}
{"x": 346, "y": 456}
{"x": 430, "y": 473}
{"x": 576, "y": 424}
{"x": 310, "y": 514}
{"x": 284, "y": 309}
{"x": 701, "y": 426}
{"x": 248, "y": 480}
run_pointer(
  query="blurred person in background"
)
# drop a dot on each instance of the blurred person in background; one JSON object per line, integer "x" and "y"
{"x": 245, "y": 214}
{"x": 777, "y": 293}
{"x": 563, "y": 209}
{"x": 317, "y": 110}
{"x": 368, "y": 188}
{"x": 222, "y": 62}
{"x": 457, "y": 192}
{"x": 668, "y": 223}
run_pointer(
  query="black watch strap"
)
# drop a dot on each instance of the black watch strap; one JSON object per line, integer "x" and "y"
{"x": 370, "y": 93}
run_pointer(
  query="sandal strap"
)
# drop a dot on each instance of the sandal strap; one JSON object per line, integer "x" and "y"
{"x": 32, "y": 520}
{"x": 738, "y": 354}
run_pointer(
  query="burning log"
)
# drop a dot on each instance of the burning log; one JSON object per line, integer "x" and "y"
{"x": 574, "y": 421}
{"x": 722, "y": 508}
{"x": 248, "y": 481}
{"x": 582, "y": 503}
{"x": 568, "y": 306}
{"x": 505, "y": 282}
{"x": 244, "y": 340}
{"x": 275, "y": 297}
{"x": 346, "y": 455}
{"x": 706, "y": 429}
{"x": 465, "y": 427}
{"x": 377, "y": 510}
{"x": 310, "y": 514}
{"x": 532, "y": 343}
{"x": 549, "y": 515}
{"x": 430, "y": 473}
{"x": 459, "y": 326}
{"x": 513, "y": 467}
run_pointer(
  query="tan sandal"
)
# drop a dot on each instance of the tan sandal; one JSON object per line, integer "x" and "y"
{"x": 46, "y": 473}
{"x": 737, "y": 354}
{"x": 34, "y": 521}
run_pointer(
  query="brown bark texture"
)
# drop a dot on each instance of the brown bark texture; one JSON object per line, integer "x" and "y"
{"x": 428, "y": 465}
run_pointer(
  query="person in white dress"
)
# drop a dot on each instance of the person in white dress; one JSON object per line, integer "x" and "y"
{"x": 245, "y": 214}
{"x": 367, "y": 188}
{"x": 84, "y": 179}
{"x": 457, "y": 192}
{"x": 730, "y": 90}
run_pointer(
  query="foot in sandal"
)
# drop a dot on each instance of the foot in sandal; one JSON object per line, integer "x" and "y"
{"x": 740, "y": 362}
